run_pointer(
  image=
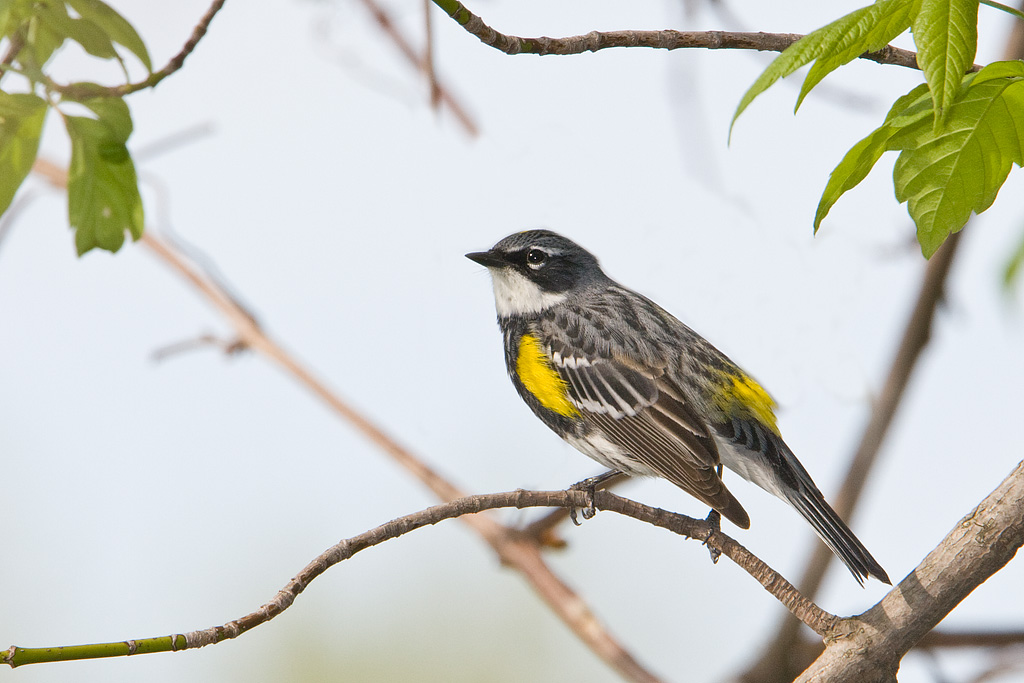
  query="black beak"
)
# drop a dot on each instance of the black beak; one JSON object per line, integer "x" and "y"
{"x": 491, "y": 259}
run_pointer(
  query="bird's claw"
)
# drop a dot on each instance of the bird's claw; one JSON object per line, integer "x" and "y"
{"x": 588, "y": 486}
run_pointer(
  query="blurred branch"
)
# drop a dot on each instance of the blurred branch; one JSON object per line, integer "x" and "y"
{"x": 964, "y": 639}
{"x": 515, "y": 551}
{"x": 428, "y": 56}
{"x": 425, "y": 65}
{"x": 820, "y": 621}
{"x": 869, "y": 647}
{"x": 665, "y": 40}
{"x": 83, "y": 90}
{"x": 782, "y": 660}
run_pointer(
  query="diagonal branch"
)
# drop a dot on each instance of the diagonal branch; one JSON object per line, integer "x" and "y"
{"x": 781, "y": 659}
{"x": 822, "y": 622}
{"x": 869, "y": 647}
{"x": 515, "y": 551}
{"x": 84, "y": 90}
{"x": 665, "y": 40}
{"x": 423, "y": 63}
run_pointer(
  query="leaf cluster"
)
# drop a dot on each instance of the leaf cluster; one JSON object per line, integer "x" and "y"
{"x": 103, "y": 194}
{"x": 957, "y": 134}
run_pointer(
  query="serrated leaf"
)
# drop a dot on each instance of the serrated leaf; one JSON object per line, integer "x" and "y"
{"x": 873, "y": 29}
{"x": 103, "y": 192}
{"x": 907, "y": 111}
{"x": 946, "y": 36}
{"x": 946, "y": 176}
{"x": 113, "y": 25}
{"x": 21, "y": 124}
{"x": 863, "y": 30}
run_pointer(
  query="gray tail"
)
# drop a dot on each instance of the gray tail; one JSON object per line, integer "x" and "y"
{"x": 836, "y": 535}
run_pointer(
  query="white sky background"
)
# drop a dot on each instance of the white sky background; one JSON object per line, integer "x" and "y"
{"x": 145, "y": 498}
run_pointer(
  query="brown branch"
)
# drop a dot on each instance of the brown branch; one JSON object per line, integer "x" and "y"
{"x": 869, "y": 647}
{"x": 965, "y": 639}
{"x": 429, "y": 68}
{"x": 819, "y": 620}
{"x": 664, "y": 40}
{"x": 84, "y": 90}
{"x": 383, "y": 19}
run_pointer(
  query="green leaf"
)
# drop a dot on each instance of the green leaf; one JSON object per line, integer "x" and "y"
{"x": 864, "y": 30}
{"x": 946, "y": 176}
{"x": 946, "y": 36}
{"x": 858, "y": 162}
{"x": 85, "y": 33}
{"x": 872, "y": 30}
{"x": 12, "y": 14}
{"x": 21, "y": 124}
{"x": 103, "y": 192}
{"x": 114, "y": 26}
{"x": 114, "y": 113}
{"x": 41, "y": 41}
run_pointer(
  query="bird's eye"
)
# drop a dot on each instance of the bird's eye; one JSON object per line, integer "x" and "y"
{"x": 536, "y": 258}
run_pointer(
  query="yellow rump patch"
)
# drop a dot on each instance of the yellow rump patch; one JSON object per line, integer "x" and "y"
{"x": 541, "y": 380}
{"x": 741, "y": 395}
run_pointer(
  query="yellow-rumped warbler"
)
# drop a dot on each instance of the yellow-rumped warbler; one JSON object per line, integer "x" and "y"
{"x": 624, "y": 382}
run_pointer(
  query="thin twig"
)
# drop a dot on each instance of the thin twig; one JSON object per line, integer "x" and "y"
{"x": 820, "y": 621}
{"x": 665, "y": 40}
{"x": 383, "y": 19}
{"x": 83, "y": 90}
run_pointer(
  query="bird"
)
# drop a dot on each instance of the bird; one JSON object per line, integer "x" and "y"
{"x": 626, "y": 383}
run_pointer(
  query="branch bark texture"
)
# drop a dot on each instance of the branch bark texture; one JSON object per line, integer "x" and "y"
{"x": 869, "y": 648}
{"x": 665, "y": 40}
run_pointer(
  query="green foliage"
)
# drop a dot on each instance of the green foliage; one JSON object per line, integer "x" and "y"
{"x": 864, "y": 30}
{"x": 21, "y": 123}
{"x": 103, "y": 195}
{"x": 957, "y": 135}
{"x": 946, "y": 35}
{"x": 944, "y": 175}
{"x": 103, "y": 191}
{"x": 114, "y": 26}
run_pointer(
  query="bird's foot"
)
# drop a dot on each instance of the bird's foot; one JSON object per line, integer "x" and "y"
{"x": 589, "y": 486}
{"x": 714, "y": 518}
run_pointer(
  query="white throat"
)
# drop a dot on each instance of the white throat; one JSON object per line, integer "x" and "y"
{"x": 514, "y": 294}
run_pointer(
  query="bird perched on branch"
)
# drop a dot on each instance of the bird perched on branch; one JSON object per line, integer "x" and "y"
{"x": 626, "y": 383}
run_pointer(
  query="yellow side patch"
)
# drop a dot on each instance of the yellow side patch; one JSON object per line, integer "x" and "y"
{"x": 741, "y": 395}
{"x": 541, "y": 380}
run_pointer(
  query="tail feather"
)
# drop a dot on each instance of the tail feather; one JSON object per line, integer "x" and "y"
{"x": 837, "y": 536}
